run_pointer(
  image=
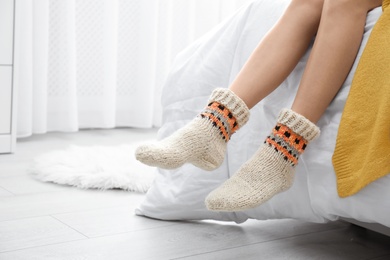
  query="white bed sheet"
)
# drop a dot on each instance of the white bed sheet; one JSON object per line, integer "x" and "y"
{"x": 214, "y": 61}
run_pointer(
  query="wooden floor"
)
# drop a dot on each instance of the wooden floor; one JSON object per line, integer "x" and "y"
{"x": 48, "y": 221}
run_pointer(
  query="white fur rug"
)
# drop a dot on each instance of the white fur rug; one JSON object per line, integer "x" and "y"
{"x": 99, "y": 167}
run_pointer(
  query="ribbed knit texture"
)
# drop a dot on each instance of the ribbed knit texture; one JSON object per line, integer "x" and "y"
{"x": 203, "y": 141}
{"x": 270, "y": 170}
{"x": 362, "y": 153}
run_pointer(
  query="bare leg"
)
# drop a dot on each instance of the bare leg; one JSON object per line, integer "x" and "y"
{"x": 279, "y": 51}
{"x": 271, "y": 169}
{"x": 202, "y": 142}
{"x": 334, "y": 51}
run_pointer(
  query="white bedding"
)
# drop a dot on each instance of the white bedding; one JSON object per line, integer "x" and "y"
{"x": 213, "y": 61}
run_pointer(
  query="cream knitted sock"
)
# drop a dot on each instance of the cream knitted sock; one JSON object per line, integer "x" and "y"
{"x": 271, "y": 168}
{"x": 203, "y": 141}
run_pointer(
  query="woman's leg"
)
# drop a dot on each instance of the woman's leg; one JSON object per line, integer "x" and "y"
{"x": 271, "y": 169}
{"x": 278, "y": 52}
{"x": 203, "y": 141}
{"x": 335, "y": 49}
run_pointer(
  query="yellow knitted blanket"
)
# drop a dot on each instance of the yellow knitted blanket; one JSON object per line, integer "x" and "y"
{"x": 362, "y": 153}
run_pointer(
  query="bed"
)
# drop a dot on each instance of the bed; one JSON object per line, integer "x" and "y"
{"x": 213, "y": 61}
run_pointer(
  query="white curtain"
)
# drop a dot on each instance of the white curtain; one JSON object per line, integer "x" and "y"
{"x": 101, "y": 63}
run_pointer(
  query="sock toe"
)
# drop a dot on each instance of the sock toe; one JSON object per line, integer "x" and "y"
{"x": 144, "y": 153}
{"x": 234, "y": 195}
{"x": 155, "y": 156}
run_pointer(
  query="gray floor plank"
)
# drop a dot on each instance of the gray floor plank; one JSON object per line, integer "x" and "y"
{"x": 12, "y": 168}
{"x": 350, "y": 242}
{"x": 5, "y": 193}
{"x": 188, "y": 238}
{"x": 109, "y": 221}
{"x": 71, "y": 200}
{"x": 26, "y": 184}
{"x": 32, "y": 232}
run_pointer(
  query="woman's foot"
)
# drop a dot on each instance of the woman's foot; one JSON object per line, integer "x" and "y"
{"x": 270, "y": 170}
{"x": 203, "y": 141}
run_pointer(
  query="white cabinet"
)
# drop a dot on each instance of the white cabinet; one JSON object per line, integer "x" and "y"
{"x": 5, "y": 99}
{"x": 6, "y": 31}
{"x": 7, "y": 116}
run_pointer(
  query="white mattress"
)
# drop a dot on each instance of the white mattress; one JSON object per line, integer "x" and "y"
{"x": 213, "y": 61}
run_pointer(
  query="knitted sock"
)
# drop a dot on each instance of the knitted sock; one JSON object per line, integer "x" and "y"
{"x": 203, "y": 141}
{"x": 271, "y": 168}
